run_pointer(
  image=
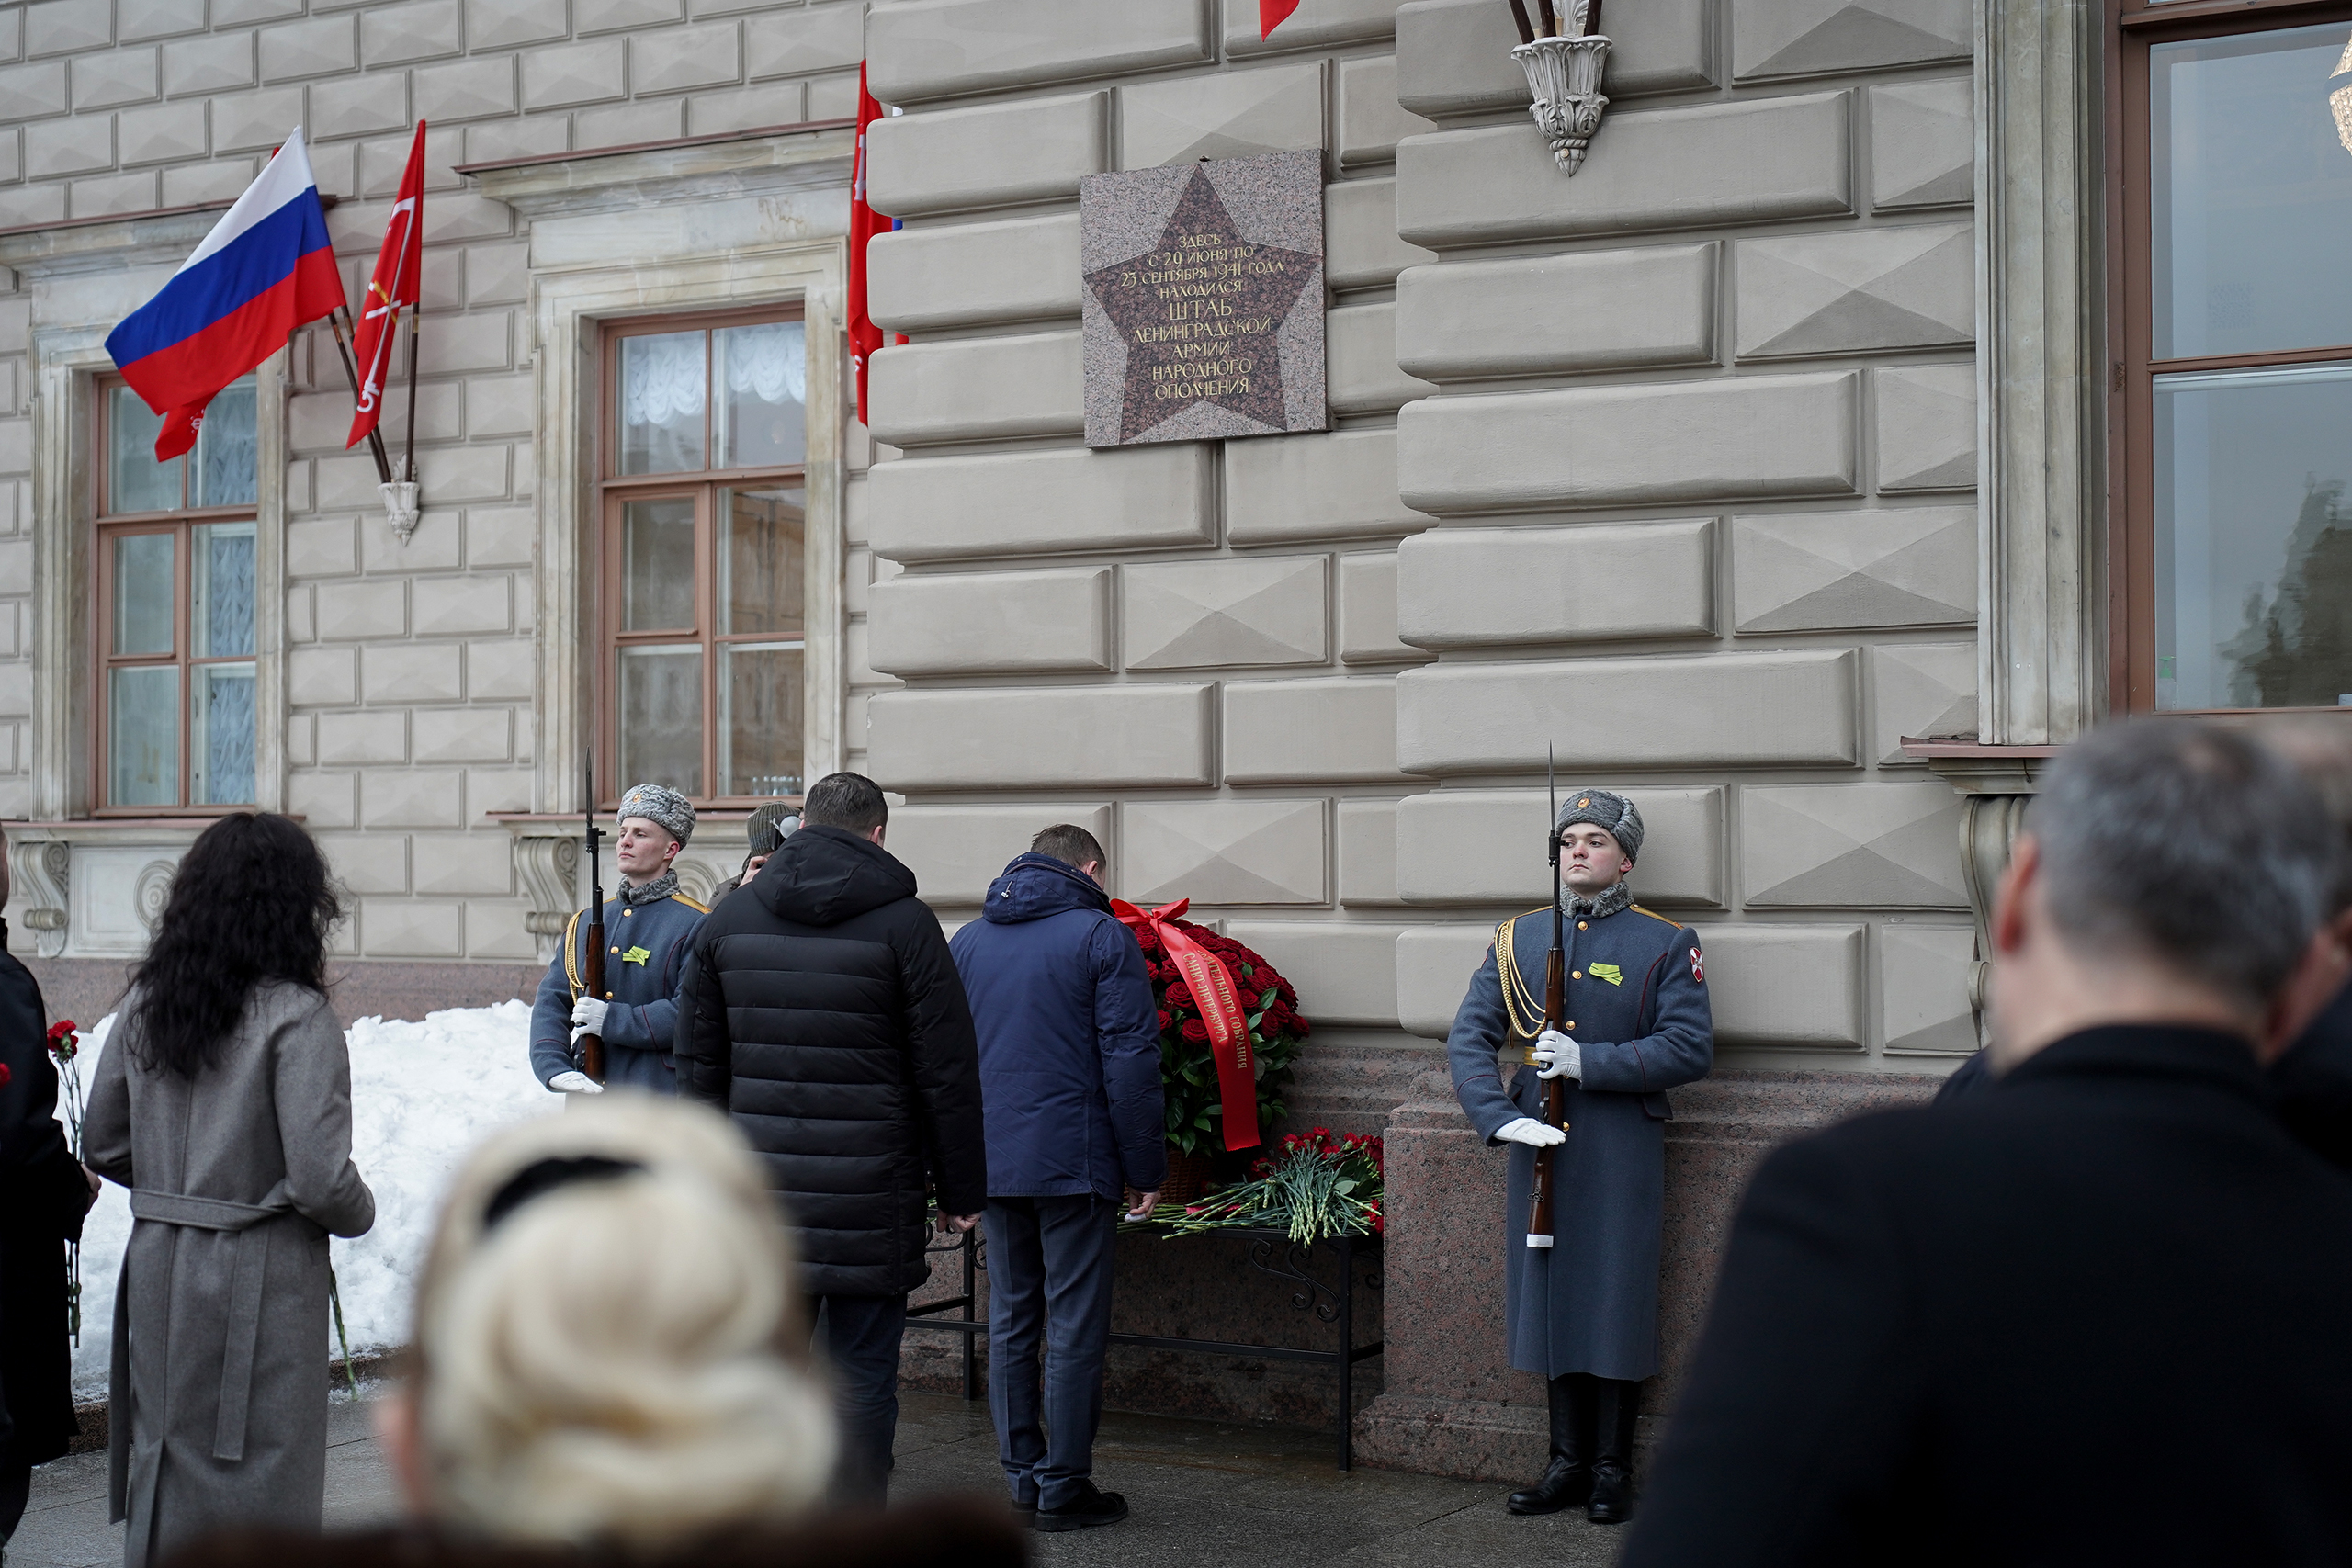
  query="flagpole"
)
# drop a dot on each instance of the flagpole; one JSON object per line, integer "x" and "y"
{"x": 415, "y": 324}
{"x": 351, "y": 370}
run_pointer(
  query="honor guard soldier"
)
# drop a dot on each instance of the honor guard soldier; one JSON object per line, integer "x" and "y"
{"x": 648, "y": 930}
{"x": 1582, "y": 1310}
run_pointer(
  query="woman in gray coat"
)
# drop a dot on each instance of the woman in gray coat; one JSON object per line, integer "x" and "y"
{"x": 223, "y": 1102}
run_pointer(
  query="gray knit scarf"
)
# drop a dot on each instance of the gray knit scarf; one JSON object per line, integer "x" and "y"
{"x": 1616, "y": 896}
{"x": 660, "y": 887}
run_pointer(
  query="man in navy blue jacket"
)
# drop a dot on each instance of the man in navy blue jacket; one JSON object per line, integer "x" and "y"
{"x": 1070, "y": 1084}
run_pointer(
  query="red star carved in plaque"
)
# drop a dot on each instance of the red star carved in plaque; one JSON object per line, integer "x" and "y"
{"x": 1199, "y": 315}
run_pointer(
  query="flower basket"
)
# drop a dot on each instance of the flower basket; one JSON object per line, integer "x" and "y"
{"x": 1315, "y": 1186}
{"x": 1188, "y": 1070}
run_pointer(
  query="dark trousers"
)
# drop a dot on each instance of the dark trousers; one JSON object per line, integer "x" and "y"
{"x": 1049, "y": 1285}
{"x": 859, "y": 1336}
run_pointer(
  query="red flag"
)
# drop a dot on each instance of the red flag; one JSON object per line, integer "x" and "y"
{"x": 864, "y": 337}
{"x": 391, "y": 288}
{"x": 1273, "y": 14}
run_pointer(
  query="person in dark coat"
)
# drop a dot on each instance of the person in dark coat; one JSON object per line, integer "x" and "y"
{"x": 1070, "y": 1070}
{"x": 2094, "y": 1315}
{"x": 823, "y": 1013}
{"x": 649, "y": 930}
{"x": 2311, "y": 1083}
{"x": 44, "y": 1192}
{"x": 1582, "y": 1312}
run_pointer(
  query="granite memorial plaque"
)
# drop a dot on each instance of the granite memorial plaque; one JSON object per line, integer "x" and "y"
{"x": 1203, "y": 300}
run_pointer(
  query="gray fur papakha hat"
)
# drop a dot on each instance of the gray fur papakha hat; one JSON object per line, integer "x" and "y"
{"x": 1612, "y": 814}
{"x": 662, "y": 807}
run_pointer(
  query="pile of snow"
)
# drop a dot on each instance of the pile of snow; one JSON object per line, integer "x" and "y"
{"x": 422, "y": 1096}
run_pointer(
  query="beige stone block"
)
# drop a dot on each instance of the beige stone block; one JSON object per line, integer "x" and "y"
{"x": 501, "y": 535}
{"x": 468, "y": 90}
{"x": 397, "y": 35}
{"x": 368, "y": 736}
{"x": 1923, "y": 975}
{"x": 68, "y": 146}
{"x": 496, "y": 275}
{"x": 1370, "y": 123}
{"x": 408, "y": 928}
{"x": 1031, "y": 503}
{"x": 494, "y": 929}
{"x": 384, "y": 162}
{"x": 1852, "y": 846}
{"x": 322, "y": 800}
{"x": 113, "y": 194}
{"x": 411, "y": 673}
{"x": 833, "y": 96}
{"x": 1329, "y": 731}
{"x": 1236, "y": 114}
{"x": 317, "y": 48}
{"x": 367, "y": 862}
{"x": 1008, "y": 621}
{"x": 774, "y": 103}
{"x": 499, "y": 671}
{"x": 1857, "y": 291}
{"x": 1224, "y": 852}
{"x": 450, "y": 474}
{"x": 1815, "y": 37}
{"x": 1505, "y": 587}
{"x": 800, "y": 41}
{"x": 974, "y": 274}
{"x": 1785, "y": 985}
{"x": 1361, "y": 248}
{"x": 1639, "y": 308}
{"x": 1923, "y": 690}
{"x": 215, "y": 64}
{"x": 411, "y": 798}
{"x": 1486, "y": 846}
{"x": 435, "y": 546}
{"x": 463, "y": 735}
{"x": 120, "y": 76}
{"x": 462, "y": 864}
{"x": 364, "y": 611}
{"x": 502, "y": 24}
{"x": 302, "y": 618}
{"x": 996, "y": 155}
{"x": 481, "y": 603}
{"x": 1653, "y": 443}
{"x": 1343, "y": 974}
{"x": 1368, "y": 852}
{"x": 1808, "y": 571}
{"x": 1923, "y": 145}
{"x": 163, "y": 133}
{"x": 1750, "y": 162}
{"x": 1212, "y": 615}
{"x": 317, "y": 677}
{"x": 534, "y": 137}
{"x": 576, "y": 73}
{"x": 984, "y": 388}
{"x": 62, "y": 26}
{"x": 1793, "y": 708}
{"x": 34, "y": 90}
{"x": 1433, "y": 968}
{"x": 1359, "y": 341}
{"x": 1064, "y": 738}
{"x": 236, "y": 13}
{"x": 357, "y": 106}
{"x": 626, "y": 124}
{"x": 1925, "y": 420}
{"x": 1333, "y": 486}
{"x": 938, "y": 48}
{"x": 1316, "y": 24}
{"x": 957, "y": 850}
{"x": 1368, "y": 610}
{"x": 32, "y": 204}
{"x": 497, "y": 789}
{"x": 499, "y": 405}
{"x": 679, "y": 58}
{"x": 1455, "y": 55}
{"x": 136, "y": 19}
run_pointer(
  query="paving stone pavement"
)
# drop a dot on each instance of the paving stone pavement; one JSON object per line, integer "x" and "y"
{"x": 1201, "y": 1492}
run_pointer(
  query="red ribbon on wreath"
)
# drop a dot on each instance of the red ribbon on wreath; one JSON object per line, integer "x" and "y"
{"x": 1229, "y": 1024}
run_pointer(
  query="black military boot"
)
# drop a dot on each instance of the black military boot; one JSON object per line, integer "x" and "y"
{"x": 1613, "y": 1458}
{"x": 1567, "y": 1480}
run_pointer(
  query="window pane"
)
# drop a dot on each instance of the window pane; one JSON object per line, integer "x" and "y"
{"x": 662, "y": 404}
{"x": 142, "y": 593}
{"x": 660, "y": 715}
{"x": 221, "y": 735}
{"x": 2254, "y": 538}
{"x": 761, "y": 377}
{"x": 220, "y": 589}
{"x": 658, "y": 564}
{"x": 762, "y": 543}
{"x": 143, "y": 736}
{"x": 759, "y": 718}
{"x": 2252, "y": 170}
{"x": 135, "y": 481}
{"x": 227, "y": 451}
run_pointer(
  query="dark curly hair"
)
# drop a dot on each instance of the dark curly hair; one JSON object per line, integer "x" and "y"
{"x": 251, "y": 902}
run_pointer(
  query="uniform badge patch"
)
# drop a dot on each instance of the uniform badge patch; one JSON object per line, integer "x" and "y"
{"x": 637, "y": 956}
{"x": 1608, "y": 972}
{"x": 1698, "y": 967}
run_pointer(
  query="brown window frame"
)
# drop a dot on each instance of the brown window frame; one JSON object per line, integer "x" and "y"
{"x": 181, "y": 524}
{"x": 2138, "y": 26}
{"x": 615, "y": 489}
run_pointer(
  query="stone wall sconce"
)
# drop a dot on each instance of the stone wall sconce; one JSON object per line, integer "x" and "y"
{"x": 400, "y": 507}
{"x": 1563, "y": 53}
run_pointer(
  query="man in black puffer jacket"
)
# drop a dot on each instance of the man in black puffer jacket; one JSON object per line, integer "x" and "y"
{"x": 821, "y": 1011}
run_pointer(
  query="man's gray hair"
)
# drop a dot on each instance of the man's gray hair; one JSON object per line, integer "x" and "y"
{"x": 2191, "y": 843}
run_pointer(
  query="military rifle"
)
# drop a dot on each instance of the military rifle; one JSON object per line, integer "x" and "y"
{"x": 1555, "y": 1012}
{"x": 591, "y": 966}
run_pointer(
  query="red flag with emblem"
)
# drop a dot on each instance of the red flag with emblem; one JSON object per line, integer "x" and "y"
{"x": 392, "y": 290}
{"x": 864, "y": 337}
{"x": 1273, "y": 14}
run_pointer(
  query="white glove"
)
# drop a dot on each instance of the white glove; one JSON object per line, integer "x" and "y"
{"x": 1557, "y": 1056}
{"x": 1529, "y": 1131}
{"x": 574, "y": 1083}
{"x": 588, "y": 1016}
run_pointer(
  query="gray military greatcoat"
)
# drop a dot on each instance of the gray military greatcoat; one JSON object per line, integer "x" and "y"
{"x": 237, "y": 1177}
{"x": 1637, "y": 1004}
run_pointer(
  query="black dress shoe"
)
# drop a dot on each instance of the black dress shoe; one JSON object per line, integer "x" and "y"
{"x": 1027, "y": 1514}
{"x": 1085, "y": 1511}
{"x": 1613, "y": 1493}
{"x": 1565, "y": 1484}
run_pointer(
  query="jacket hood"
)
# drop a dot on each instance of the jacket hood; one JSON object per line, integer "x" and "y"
{"x": 821, "y": 876}
{"x": 1033, "y": 886}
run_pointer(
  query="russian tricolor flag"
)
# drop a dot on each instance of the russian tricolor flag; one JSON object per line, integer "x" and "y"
{"x": 267, "y": 267}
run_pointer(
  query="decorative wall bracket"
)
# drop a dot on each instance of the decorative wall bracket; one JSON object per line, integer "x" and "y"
{"x": 1563, "y": 77}
{"x": 400, "y": 508}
